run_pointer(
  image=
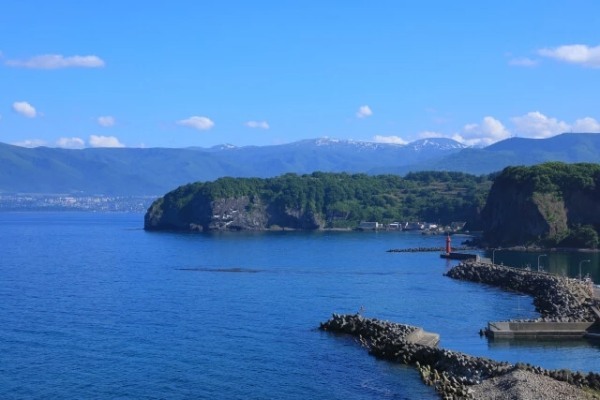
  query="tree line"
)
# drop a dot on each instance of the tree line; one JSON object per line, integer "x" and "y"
{"x": 343, "y": 200}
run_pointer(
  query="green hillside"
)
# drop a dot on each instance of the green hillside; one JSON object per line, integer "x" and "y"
{"x": 552, "y": 204}
{"x": 323, "y": 200}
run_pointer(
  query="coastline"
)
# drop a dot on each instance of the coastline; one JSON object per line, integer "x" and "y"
{"x": 457, "y": 375}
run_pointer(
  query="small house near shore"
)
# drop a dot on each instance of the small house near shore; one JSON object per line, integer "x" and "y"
{"x": 369, "y": 226}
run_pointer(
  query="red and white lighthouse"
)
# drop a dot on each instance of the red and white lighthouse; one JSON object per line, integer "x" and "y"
{"x": 448, "y": 247}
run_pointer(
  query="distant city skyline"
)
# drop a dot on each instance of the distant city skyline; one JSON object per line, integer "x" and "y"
{"x": 185, "y": 73}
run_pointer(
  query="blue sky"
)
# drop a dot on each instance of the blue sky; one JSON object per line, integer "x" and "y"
{"x": 196, "y": 73}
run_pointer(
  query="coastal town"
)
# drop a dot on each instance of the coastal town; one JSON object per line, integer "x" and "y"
{"x": 425, "y": 227}
{"x": 63, "y": 202}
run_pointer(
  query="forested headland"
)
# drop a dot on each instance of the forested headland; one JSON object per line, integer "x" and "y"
{"x": 322, "y": 201}
{"x": 551, "y": 204}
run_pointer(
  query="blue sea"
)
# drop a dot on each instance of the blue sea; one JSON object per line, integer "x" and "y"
{"x": 92, "y": 306}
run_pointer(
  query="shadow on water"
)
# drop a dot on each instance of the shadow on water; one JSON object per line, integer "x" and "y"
{"x": 244, "y": 270}
{"x": 226, "y": 270}
{"x": 541, "y": 343}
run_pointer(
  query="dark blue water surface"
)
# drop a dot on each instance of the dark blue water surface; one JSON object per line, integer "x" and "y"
{"x": 92, "y": 306}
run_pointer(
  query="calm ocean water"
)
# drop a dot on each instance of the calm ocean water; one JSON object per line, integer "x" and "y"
{"x": 94, "y": 307}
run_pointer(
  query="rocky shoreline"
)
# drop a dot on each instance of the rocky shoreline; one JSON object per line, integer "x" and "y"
{"x": 457, "y": 375}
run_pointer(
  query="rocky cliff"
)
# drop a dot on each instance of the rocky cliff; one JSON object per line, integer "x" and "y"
{"x": 541, "y": 204}
{"x": 187, "y": 209}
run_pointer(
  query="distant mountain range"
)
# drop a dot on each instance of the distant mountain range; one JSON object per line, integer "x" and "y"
{"x": 154, "y": 171}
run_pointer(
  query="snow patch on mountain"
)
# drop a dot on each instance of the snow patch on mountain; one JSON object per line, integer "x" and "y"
{"x": 436, "y": 144}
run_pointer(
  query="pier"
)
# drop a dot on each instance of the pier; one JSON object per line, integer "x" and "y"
{"x": 538, "y": 330}
{"x": 453, "y": 255}
{"x": 428, "y": 249}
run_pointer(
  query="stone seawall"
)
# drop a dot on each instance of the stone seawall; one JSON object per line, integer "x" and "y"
{"x": 456, "y": 375}
{"x": 556, "y": 298}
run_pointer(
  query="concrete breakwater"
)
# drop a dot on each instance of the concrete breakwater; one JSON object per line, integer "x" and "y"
{"x": 449, "y": 372}
{"x": 556, "y": 298}
{"x": 429, "y": 249}
{"x": 454, "y": 375}
{"x": 369, "y": 329}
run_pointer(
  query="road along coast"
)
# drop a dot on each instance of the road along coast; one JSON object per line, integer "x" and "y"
{"x": 457, "y": 375}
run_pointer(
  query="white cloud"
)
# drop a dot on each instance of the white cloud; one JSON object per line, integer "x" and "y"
{"x": 536, "y": 125}
{"x": 70, "y": 143}
{"x": 389, "y": 139}
{"x": 364, "y": 112}
{"x": 429, "y": 135}
{"x": 30, "y": 143}
{"x": 488, "y": 131}
{"x": 200, "y": 123}
{"x": 523, "y": 62}
{"x": 257, "y": 124}
{"x": 24, "y": 108}
{"x": 458, "y": 137}
{"x": 55, "y": 61}
{"x": 106, "y": 121}
{"x": 104, "y": 141}
{"x": 490, "y": 126}
{"x": 586, "y": 125}
{"x": 574, "y": 54}
{"x": 491, "y": 130}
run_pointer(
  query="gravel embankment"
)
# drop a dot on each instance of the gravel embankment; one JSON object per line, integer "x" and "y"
{"x": 520, "y": 384}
